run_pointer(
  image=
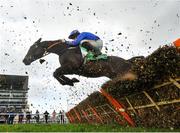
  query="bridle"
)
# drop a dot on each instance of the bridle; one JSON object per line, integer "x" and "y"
{"x": 32, "y": 57}
{"x": 51, "y": 46}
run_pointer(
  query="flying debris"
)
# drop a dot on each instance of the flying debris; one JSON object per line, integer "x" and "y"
{"x": 111, "y": 40}
{"x": 119, "y": 33}
{"x": 6, "y": 54}
{"x": 177, "y": 15}
{"x": 42, "y": 61}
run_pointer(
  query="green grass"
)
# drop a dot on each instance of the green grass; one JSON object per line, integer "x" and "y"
{"x": 76, "y": 128}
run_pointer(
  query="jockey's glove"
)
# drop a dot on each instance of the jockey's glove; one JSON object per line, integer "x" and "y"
{"x": 70, "y": 44}
{"x": 62, "y": 40}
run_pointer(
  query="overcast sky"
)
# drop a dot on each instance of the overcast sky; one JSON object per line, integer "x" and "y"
{"x": 144, "y": 24}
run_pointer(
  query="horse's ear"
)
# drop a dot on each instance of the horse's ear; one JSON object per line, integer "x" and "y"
{"x": 39, "y": 40}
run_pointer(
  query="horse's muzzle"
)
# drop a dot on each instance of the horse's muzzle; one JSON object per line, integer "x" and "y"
{"x": 26, "y": 62}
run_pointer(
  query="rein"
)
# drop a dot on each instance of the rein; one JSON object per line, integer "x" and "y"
{"x": 51, "y": 46}
{"x": 45, "y": 52}
{"x": 54, "y": 44}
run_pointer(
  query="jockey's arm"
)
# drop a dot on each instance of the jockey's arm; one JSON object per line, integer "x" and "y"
{"x": 77, "y": 41}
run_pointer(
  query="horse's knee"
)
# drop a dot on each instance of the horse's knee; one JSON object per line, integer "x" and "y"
{"x": 55, "y": 74}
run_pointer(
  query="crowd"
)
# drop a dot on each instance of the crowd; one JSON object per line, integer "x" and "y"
{"x": 27, "y": 117}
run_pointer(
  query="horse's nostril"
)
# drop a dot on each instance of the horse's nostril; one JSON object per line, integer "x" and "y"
{"x": 24, "y": 60}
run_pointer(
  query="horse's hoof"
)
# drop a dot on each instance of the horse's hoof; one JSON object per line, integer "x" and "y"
{"x": 70, "y": 84}
{"x": 74, "y": 80}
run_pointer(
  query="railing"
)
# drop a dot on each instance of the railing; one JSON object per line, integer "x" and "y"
{"x": 58, "y": 118}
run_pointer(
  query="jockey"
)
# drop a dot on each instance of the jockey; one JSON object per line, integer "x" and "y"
{"x": 87, "y": 40}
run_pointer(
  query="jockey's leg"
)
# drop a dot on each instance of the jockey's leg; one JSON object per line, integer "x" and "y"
{"x": 94, "y": 46}
{"x": 87, "y": 46}
{"x": 98, "y": 47}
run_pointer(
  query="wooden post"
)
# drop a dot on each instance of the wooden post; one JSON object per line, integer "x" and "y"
{"x": 96, "y": 114}
{"x": 152, "y": 101}
{"x": 131, "y": 105}
{"x": 105, "y": 112}
{"x": 85, "y": 115}
{"x": 158, "y": 103}
{"x": 119, "y": 108}
{"x": 117, "y": 117}
{"x": 69, "y": 118}
{"x": 175, "y": 82}
{"x": 78, "y": 116}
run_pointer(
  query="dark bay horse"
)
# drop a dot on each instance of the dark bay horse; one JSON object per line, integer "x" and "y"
{"x": 71, "y": 62}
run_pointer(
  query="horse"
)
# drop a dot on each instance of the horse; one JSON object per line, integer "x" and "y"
{"x": 71, "y": 62}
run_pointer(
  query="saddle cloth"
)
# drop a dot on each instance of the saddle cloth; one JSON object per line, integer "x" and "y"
{"x": 89, "y": 56}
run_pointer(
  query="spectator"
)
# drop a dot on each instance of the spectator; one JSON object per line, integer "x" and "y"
{"x": 63, "y": 114}
{"x": 16, "y": 118}
{"x": 60, "y": 116}
{"x": 6, "y": 116}
{"x": 54, "y": 116}
{"x": 11, "y": 117}
{"x": 46, "y": 114}
{"x": 21, "y": 116}
{"x": 28, "y": 116}
{"x": 37, "y": 116}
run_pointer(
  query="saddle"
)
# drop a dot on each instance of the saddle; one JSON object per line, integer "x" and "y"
{"x": 90, "y": 56}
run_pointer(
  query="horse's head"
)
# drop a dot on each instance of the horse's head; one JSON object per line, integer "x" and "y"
{"x": 35, "y": 52}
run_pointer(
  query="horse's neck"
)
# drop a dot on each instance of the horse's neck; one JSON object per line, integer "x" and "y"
{"x": 59, "y": 48}
{"x": 55, "y": 47}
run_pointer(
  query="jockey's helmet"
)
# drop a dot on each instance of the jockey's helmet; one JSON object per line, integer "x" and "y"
{"x": 74, "y": 34}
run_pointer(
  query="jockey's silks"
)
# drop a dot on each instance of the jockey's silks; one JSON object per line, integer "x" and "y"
{"x": 82, "y": 36}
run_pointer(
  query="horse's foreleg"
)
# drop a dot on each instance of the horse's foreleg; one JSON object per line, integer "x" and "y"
{"x": 67, "y": 80}
{"x": 59, "y": 75}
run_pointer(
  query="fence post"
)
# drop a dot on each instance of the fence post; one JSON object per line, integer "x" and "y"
{"x": 72, "y": 118}
{"x": 119, "y": 108}
{"x": 95, "y": 113}
{"x": 69, "y": 117}
{"x": 79, "y": 118}
{"x": 85, "y": 115}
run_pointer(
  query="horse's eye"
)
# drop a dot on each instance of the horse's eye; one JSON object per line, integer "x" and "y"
{"x": 36, "y": 46}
